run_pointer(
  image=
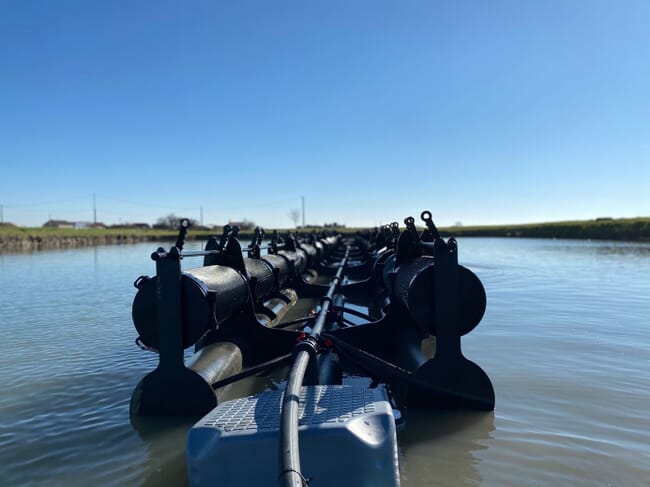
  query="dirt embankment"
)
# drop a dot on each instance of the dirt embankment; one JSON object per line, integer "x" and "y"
{"x": 37, "y": 242}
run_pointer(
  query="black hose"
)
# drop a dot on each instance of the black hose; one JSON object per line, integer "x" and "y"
{"x": 290, "y": 472}
{"x": 289, "y": 452}
{"x": 293, "y": 322}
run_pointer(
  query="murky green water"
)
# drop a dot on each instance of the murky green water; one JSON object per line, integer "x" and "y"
{"x": 565, "y": 341}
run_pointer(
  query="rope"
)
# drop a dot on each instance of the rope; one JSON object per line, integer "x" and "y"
{"x": 252, "y": 371}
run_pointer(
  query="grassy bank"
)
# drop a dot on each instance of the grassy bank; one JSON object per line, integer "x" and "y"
{"x": 20, "y": 238}
{"x": 633, "y": 229}
{"x": 48, "y": 233}
{"x": 38, "y": 238}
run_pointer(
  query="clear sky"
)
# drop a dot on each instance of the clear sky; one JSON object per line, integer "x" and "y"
{"x": 481, "y": 111}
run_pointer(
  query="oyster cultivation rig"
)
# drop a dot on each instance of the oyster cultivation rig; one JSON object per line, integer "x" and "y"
{"x": 347, "y": 331}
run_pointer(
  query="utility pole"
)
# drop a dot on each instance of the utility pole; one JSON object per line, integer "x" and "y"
{"x": 303, "y": 212}
{"x": 201, "y": 216}
{"x": 2, "y": 214}
{"x": 94, "y": 211}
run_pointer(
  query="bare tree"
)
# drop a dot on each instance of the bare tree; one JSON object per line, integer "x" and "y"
{"x": 294, "y": 215}
{"x": 172, "y": 221}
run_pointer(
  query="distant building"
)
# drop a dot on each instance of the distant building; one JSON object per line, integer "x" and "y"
{"x": 58, "y": 224}
{"x": 81, "y": 225}
{"x": 74, "y": 225}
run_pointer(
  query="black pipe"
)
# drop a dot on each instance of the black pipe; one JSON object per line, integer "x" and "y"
{"x": 290, "y": 474}
{"x": 252, "y": 371}
{"x": 161, "y": 254}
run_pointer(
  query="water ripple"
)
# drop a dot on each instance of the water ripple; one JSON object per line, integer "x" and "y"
{"x": 564, "y": 340}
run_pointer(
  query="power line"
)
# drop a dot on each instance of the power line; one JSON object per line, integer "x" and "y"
{"x": 75, "y": 211}
{"x": 46, "y": 203}
{"x": 158, "y": 206}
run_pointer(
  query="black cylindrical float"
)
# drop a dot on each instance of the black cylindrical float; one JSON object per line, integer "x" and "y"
{"x": 319, "y": 248}
{"x": 261, "y": 275}
{"x": 328, "y": 244}
{"x": 414, "y": 288}
{"x": 209, "y": 296}
{"x": 310, "y": 251}
{"x": 384, "y": 264}
{"x": 297, "y": 260}
{"x": 280, "y": 267}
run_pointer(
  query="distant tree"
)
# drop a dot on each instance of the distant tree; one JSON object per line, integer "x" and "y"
{"x": 172, "y": 221}
{"x": 294, "y": 215}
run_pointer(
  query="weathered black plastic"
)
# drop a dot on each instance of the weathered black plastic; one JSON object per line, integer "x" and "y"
{"x": 210, "y": 295}
{"x": 415, "y": 287}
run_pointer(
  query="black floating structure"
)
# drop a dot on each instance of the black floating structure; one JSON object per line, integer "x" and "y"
{"x": 386, "y": 306}
{"x": 232, "y": 310}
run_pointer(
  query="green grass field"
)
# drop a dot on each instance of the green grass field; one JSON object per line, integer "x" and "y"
{"x": 615, "y": 229}
{"x": 44, "y": 233}
{"x": 633, "y": 229}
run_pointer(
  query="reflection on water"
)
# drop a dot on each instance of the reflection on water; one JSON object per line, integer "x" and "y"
{"x": 164, "y": 441}
{"x": 600, "y": 248}
{"x": 564, "y": 340}
{"x": 443, "y": 447}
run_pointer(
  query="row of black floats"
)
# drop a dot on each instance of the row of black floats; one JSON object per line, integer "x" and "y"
{"x": 427, "y": 301}
{"x": 230, "y": 309}
{"x": 423, "y": 301}
{"x": 240, "y": 314}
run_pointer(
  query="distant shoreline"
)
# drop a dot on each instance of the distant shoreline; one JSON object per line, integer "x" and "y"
{"x": 625, "y": 229}
{"x": 27, "y": 239}
{"x": 19, "y": 239}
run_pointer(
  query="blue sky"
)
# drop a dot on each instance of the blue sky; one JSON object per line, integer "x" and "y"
{"x": 483, "y": 112}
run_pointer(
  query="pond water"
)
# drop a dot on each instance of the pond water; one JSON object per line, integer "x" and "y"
{"x": 564, "y": 340}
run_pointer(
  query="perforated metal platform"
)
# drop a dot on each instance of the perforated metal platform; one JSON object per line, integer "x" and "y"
{"x": 347, "y": 437}
{"x": 318, "y": 404}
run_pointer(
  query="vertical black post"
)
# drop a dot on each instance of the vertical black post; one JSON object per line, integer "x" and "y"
{"x": 449, "y": 380}
{"x": 446, "y": 299}
{"x": 171, "y": 388}
{"x": 170, "y": 328}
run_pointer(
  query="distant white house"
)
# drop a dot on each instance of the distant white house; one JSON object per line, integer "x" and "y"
{"x": 79, "y": 225}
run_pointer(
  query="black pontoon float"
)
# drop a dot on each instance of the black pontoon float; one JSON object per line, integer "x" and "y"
{"x": 361, "y": 326}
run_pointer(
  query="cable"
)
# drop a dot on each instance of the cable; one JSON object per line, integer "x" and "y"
{"x": 291, "y": 475}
